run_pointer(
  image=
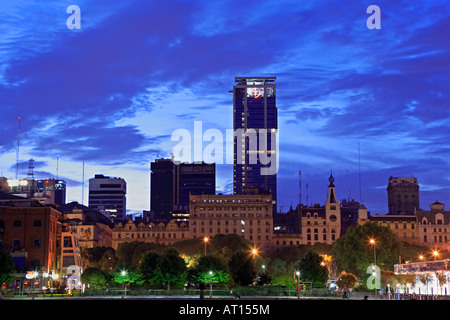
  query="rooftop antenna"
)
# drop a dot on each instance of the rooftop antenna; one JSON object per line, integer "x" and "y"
{"x": 82, "y": 187}
{"x": 300, "y": 186}
{"x": 30, "y": 174}
{"x": 57, "y": 160}
{"x": 150, "y": 185}
{"x": 17, "y": 152}
{"x": 359, "y": 171}
{"x": 307, "y": 198}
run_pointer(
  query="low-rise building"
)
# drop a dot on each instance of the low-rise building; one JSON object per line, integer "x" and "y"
{"x": 249, "y": 215}
{"x": 404, "y": 227}
{"x": 93, "y": 228}
{"x": 152, "y": 232}
{"x": 434, "y": 226}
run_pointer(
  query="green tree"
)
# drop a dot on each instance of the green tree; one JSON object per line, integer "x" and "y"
{"x": 354, "y": 253}
{"x": 7, "y": 267}
{"x": 313, "y": 270}
{"x": 130, "y": 276}
{"x": 171, "y": 269}
{"x": 108, "y": 261}
{"x": 99, "y": 257}
{"x": 148, "y": 267}
{"x": 129, "y": 253}
{"x": 95, "y": 278}
{"x": 242, "y": 268}
{"x": 207, "y": 264}
{"x": 282, "y": 279}
{"x": 220, "y": 245}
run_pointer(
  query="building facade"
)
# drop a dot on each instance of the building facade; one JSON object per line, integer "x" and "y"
{"x": 249, "y": 215}
{"x": 31, "y": 235}
{"x": 162, "y": 192}
{"x": 108, "y": 195}
{"x": 151, "y": 232}
{"x": 93, "y": 229}
{"x": 308, "y": 225}
{"x": 172, "y": 182}
{"x": 434, "y": 227}
{"x": 429, "y": 228}
{"x": 255, "y": 126}
{"x": 322, "y": 224}
{"x": 403, "y": 195}
{"x": 193, "y": 179}
{"x": 51, "y": 191}
{"x": 405, "y": 227}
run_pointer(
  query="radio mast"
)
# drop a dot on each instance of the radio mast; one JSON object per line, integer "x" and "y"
{"x": 18, "y": 147}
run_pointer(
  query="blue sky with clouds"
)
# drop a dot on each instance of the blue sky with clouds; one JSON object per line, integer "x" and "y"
{"x": 111, "y": 93}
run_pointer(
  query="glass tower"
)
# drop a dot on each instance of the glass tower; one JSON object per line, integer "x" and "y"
{"x": 255, "y": 128}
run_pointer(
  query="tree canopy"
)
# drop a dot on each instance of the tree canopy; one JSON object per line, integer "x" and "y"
{"x": 312, "y": 270}
{"x": 353, "y": 252}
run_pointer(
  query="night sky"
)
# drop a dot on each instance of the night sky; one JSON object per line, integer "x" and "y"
{"x": 111, "y": 93}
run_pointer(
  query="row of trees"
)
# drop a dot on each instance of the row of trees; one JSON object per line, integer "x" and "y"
{"x": 229, "y": 261}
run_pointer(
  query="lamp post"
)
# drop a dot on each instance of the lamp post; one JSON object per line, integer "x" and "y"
{"x": 205, "y": 240}
{"x": 210, "y": 284}
{"x": 297, "y": 273}
{"x": 123, "y": 273}
{"x": 372, "y": 242}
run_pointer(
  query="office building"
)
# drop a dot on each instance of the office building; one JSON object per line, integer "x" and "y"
{"x": 173, "y": 182}
{"x": 194, "y": 178}
{"x": 403, "y": 195}
{"x": 108, "y": 195}
{"x": 255, "y": 127}
{"x": 51, "y": 191}
{"x": 248, "y": 214}
{"x": 162, "y": 187}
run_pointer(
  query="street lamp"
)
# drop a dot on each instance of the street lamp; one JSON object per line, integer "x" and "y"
{"x": 205, "y": 240}
{"x": 123, "y": 273}
{"x": 298, "y": 283}
{"x": 210, "y": 284}
{"x": 372, "y": 242}
{"x": 435, "y": 254}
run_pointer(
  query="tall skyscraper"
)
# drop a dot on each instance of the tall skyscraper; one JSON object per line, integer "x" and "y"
{"x": 172, "y": 182}
{"x": 194, "y": 178}
{"x": 403, "y": 195}
{"x": 162, "y": 187}
{"x": 108, "y": 195}
{"x": 255, "y": 151}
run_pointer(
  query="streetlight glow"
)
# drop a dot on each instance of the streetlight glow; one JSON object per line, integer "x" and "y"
{"x": 205, "y": 240}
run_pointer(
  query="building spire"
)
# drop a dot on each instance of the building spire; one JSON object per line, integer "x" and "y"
{"x": 331, "y": 179}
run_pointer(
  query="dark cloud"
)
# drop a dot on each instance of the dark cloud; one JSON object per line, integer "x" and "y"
{"x": 337, "y": 80}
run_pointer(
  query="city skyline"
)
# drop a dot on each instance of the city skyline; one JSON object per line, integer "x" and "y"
{"x": 111, "y": 93}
